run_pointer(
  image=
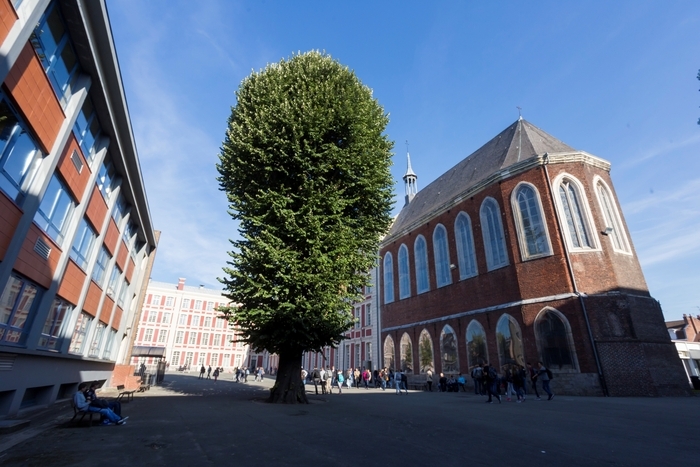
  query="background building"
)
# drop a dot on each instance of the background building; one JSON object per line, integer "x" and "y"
{"x": 520, "y": 253}
{"x": 75, "y": 226}
{"x": 183, "y": 322}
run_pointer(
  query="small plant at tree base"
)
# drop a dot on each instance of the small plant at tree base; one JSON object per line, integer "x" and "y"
{"x": 305, "y": 167}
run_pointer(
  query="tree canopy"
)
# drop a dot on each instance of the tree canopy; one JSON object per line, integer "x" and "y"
{"x": 305, "y": 166}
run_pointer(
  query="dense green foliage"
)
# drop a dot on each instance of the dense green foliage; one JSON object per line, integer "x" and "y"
{"x": 305, "y": 166}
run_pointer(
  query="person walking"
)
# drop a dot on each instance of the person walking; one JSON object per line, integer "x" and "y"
{"x": 209, "y": 372}
{"x": 216, "y": 374}
{"x": 544, "y": 375}
{"x": 533, "y": 380}
{"x": 340, "y": 379}
{"x": 491, "y": 383}
{"x": 397, "y": 381}
{"x": 201, "y": 372}
{"x": 429, "y": 379}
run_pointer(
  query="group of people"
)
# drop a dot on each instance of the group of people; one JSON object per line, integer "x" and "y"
{"x": 487, "y": 381}
{"x": 217, "y": 372}
{"x": 512, "y": 380}
{"x": 86, "y": 400}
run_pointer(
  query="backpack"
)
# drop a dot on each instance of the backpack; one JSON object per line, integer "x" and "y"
{"x": 477, "y": 373}
{"x": 549, "y": 373}
{"x": 493, "y": 376}
{"x": 341, "y": 379}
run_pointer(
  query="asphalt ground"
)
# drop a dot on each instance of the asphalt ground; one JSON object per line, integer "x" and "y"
{"x": 191, "y": 422}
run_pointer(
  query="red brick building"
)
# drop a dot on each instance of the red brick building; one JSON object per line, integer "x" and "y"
{"x": 520, "y": 253}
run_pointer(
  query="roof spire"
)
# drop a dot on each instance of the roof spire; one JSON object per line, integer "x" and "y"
{"x": 520, "y": 114}
{"x": 410, "y": 179}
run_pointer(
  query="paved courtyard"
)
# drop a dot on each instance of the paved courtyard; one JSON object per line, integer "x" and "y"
{"x": 191, "y": 422}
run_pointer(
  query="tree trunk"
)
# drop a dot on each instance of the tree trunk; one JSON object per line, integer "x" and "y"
{"x": 289, "y": 388}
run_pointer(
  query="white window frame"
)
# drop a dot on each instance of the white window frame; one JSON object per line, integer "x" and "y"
{"x": 441, "y": 254}
{"x": 491, "y": 264}
{"x": 612, "y": 218}
{"x": 525, "y": 255}
{"x": 421, "y": 266}
{"x": 404, "y": 272}
{"x": 586, "y": 217}
{"x": 466, "y": 259}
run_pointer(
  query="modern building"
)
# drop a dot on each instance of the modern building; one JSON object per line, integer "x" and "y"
{"x": 517, "y": 254}
{"x": 75, "y": 226}
{"x": 181, "y": 324}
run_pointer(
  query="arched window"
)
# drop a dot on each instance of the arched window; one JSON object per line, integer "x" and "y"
{"x": 532, "y": 230}
{"x": 613, "y": 223}
{"x": 420, "y": 256}
{"x": 389, "y": 352}
{"x": 404, "y": 273}
{"x": 573, "y": 207}
{"x": 477, "y": 352}
{"x": 554, "y": 340}
{"x": 406, "y": 354}
{"x": 509, "y": 341}
{"x": 425, "y": 352}
{"x": 443, "y": 275}
{"x": 388, "y": 278}
{"x": 465, "y": 246}
{"x": 448, "y": 350}
{"x": 494, "y": 239}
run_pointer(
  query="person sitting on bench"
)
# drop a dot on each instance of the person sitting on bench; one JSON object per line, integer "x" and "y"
{"x": 81, "y": 403}
{"x": 114, "y": 406}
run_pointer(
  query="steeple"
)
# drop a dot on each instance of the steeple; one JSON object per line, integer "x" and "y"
{"x": 410, "y": 179}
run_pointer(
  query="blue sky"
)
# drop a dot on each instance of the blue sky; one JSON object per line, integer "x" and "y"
{"x": 615, "y": 79}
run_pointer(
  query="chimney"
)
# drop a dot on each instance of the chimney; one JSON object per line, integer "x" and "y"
{"x": 181, "y": 283}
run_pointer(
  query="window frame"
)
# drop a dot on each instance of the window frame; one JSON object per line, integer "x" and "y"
{"x": 80, "y": 333}
{"x": 100, "y": 267}
{"x": 52, "y": 333}
{"x": 486, "y": 232}
{"x": 404, "y": 272}
{"x": 421, "y": 265}
{"x": 611, "y": 215}
{"x": 586, "y": 219}
{"x": 58, "y": 191}
{"x": 10, "y": 327}
{"x": 84, "y": 239}
{"x": 388, "y": 277}
{"x": 441, "y": 255}
{"x": 569, "y": 338}
{"x": 519, "y": 219}
{"x": 468, "y": 266}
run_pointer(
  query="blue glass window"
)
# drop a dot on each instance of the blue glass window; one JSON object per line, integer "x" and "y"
{"x": 54, "y": 48}
{"x": 420, "y": 254}
{"x": 87, "y": 129}
{"x": 98, "y": 272}
{"x": 441, "y": 251}
{"x": 51, "y": 336}
{"x": 82, "y": 244}
{"x": 105, "y": 178}
{"x": 16, "y": 307}
{"x": 119, "y": 210}
{"x": 388, "y": 278}
{"x": 492, "y": 230}
{"x": 404, "y": 273}
{"x": 19, "y": 154}
{"x": 55, "y": 210}
{"x": 114, "y": 281}
{"x": 465, "y": 246}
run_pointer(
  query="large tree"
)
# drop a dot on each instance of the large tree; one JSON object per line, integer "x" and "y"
{"x": 305, "y": 166}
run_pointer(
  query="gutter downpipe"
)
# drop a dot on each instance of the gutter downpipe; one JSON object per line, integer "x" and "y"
{"x": 601, "y": 378}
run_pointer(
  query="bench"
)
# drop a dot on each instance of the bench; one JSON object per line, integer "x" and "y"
{"x": 417, "y": 383}
{"x": 129, "y": 394}
{"x": 82, "y": 413}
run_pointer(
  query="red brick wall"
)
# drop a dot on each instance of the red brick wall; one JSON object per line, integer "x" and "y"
{"x": 92, "y": 300}
{"x": 32, "y": 92}
{"x": 76, "y": 181}
{"x": 106, "y": 313}
{"x": 72, "y": 283}
{"x": 117, "y": 317}
{"x": 96, "y": 209}
{"x": 122, "y": 255}
{"x": 112, "y": 237}
{"x": 8, "y": 16}
{"x": 34, "y": 266}
{"x": 10, "y": 214}
{"x": 130, "y": 270}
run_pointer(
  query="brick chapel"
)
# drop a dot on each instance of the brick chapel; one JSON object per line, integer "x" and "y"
{"x": 520, "y": 253}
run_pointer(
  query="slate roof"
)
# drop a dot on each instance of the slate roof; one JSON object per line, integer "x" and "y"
{"x": 520, "y": 141}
